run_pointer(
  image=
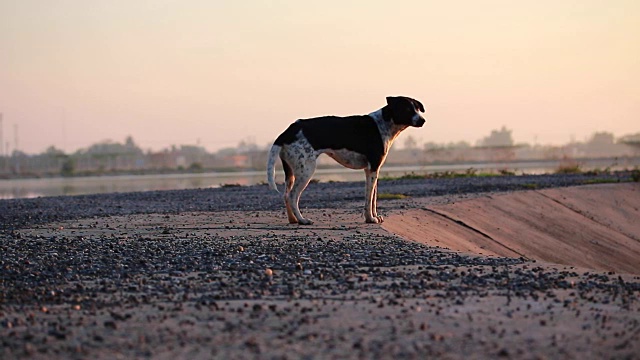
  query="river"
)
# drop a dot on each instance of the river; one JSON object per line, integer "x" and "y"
{"x": 29, "y": 188}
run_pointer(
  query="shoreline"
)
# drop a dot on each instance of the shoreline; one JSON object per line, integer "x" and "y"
{"x": 70, "y": 186}
{"x": 15, "y": 213}
{"x": 183, "y": 274}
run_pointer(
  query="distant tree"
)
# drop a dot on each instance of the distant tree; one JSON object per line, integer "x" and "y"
{"x": 192, "y": 150}
{"x": 452, "y": 145}
{"x": 410, "y": 143}
{"x": 630, "y": 139}
{"x": 431, "y": 146}
{"x": 247, "y": 145}
{"x": 228, "y": 151}
{"x": 196, "y": 167}
{"x": 602, "y": 139}
{"x": 68, "y": 167}
{"x": 109, "y": 147}
{"x": 131, "y": 145}
{"x": 52, "y": 151}
{"x": 497, "y": 138}
{"x": 458, "y": 145}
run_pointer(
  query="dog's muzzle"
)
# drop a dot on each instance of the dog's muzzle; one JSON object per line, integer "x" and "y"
{"x": 421, "y": 121}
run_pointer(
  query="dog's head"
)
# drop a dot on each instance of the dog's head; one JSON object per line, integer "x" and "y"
{"x": 404, "y": 110}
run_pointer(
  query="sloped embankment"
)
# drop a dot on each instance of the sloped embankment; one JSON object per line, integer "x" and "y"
{"x": 594, "y": 226}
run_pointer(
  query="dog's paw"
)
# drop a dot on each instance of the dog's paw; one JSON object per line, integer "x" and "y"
{"x": 374, "y": 220}
{"x": 305, "y": 222}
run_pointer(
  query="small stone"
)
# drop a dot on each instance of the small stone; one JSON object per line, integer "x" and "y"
{"x": 29, "y": 349}
{"x": 110, "y": 324}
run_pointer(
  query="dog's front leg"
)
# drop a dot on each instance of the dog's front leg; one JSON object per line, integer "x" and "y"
{"x": 374, "y": 201}
{"x": 371, "y": 192}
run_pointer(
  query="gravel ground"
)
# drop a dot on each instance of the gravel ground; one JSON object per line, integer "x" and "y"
{"x": 217, "y": 273}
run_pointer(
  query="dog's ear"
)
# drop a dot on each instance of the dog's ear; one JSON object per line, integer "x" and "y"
{"x": 394, "y": 100}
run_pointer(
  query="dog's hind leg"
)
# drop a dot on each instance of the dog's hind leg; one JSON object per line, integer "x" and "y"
{"x": 302, "y": 172}
{"x": 289, "y": 179}
{"x": 374, "y": 201}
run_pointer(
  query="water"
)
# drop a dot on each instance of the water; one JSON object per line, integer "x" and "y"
{"x": 30, "y": 188}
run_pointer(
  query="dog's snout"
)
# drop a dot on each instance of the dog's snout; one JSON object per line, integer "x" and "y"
{"x": 421, "y": 121}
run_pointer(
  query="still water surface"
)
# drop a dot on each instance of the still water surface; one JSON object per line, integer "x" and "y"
{"x": 29, "y": 188}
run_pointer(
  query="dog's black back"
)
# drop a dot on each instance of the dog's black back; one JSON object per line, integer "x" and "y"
{"x": 358, "y": 133}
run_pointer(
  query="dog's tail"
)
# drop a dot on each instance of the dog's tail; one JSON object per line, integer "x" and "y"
{"x": 271, "y": 166}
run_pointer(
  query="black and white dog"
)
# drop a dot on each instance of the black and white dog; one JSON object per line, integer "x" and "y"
{"x": 356, "y": 142}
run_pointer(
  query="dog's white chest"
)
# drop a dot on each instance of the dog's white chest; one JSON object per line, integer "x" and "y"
{"x": 347, "y": 158}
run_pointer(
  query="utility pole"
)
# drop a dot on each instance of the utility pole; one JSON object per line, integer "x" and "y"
{"x": 15, "y": 148}
{"x": 1, "y": 146}
{"x": 1, "y": 138}
{"x": 15, "y": 137}
{"x": 64, "y": 130}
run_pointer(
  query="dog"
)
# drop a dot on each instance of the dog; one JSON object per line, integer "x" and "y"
{"x": 355, "y": 142}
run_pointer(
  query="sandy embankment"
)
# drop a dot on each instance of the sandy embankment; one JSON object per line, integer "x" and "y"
{"x": 596, "y": 226}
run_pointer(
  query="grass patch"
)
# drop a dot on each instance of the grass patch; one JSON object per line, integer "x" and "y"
{"x": 506, "y": 172}
{"x": 635, "y": 175}
{"x": 230, "y": 185}
{"x": 471, "y": 172}
{"x": 595, "y": 172}
{"x": 410, "y": 176}
{"x": 569, "y": 169}
{"x": 388, "y": 196}
{"x": 530, "y": 186}
{"x": 600, "y": 181}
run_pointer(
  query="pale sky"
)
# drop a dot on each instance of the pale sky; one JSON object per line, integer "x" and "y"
{"x": 75, "y": 72}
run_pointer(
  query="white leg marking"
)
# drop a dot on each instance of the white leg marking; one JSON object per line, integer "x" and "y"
{"x": 370, "y": 214}
{"x": 289, "y": 180}
{"x": 302, "y": 159}
{"x": 303, "y": 172}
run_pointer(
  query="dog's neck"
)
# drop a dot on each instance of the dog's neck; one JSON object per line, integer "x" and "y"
{"x": 388, "y": 129}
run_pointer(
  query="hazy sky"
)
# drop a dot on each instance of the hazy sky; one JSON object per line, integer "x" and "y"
{"x": 75, "y": 72}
